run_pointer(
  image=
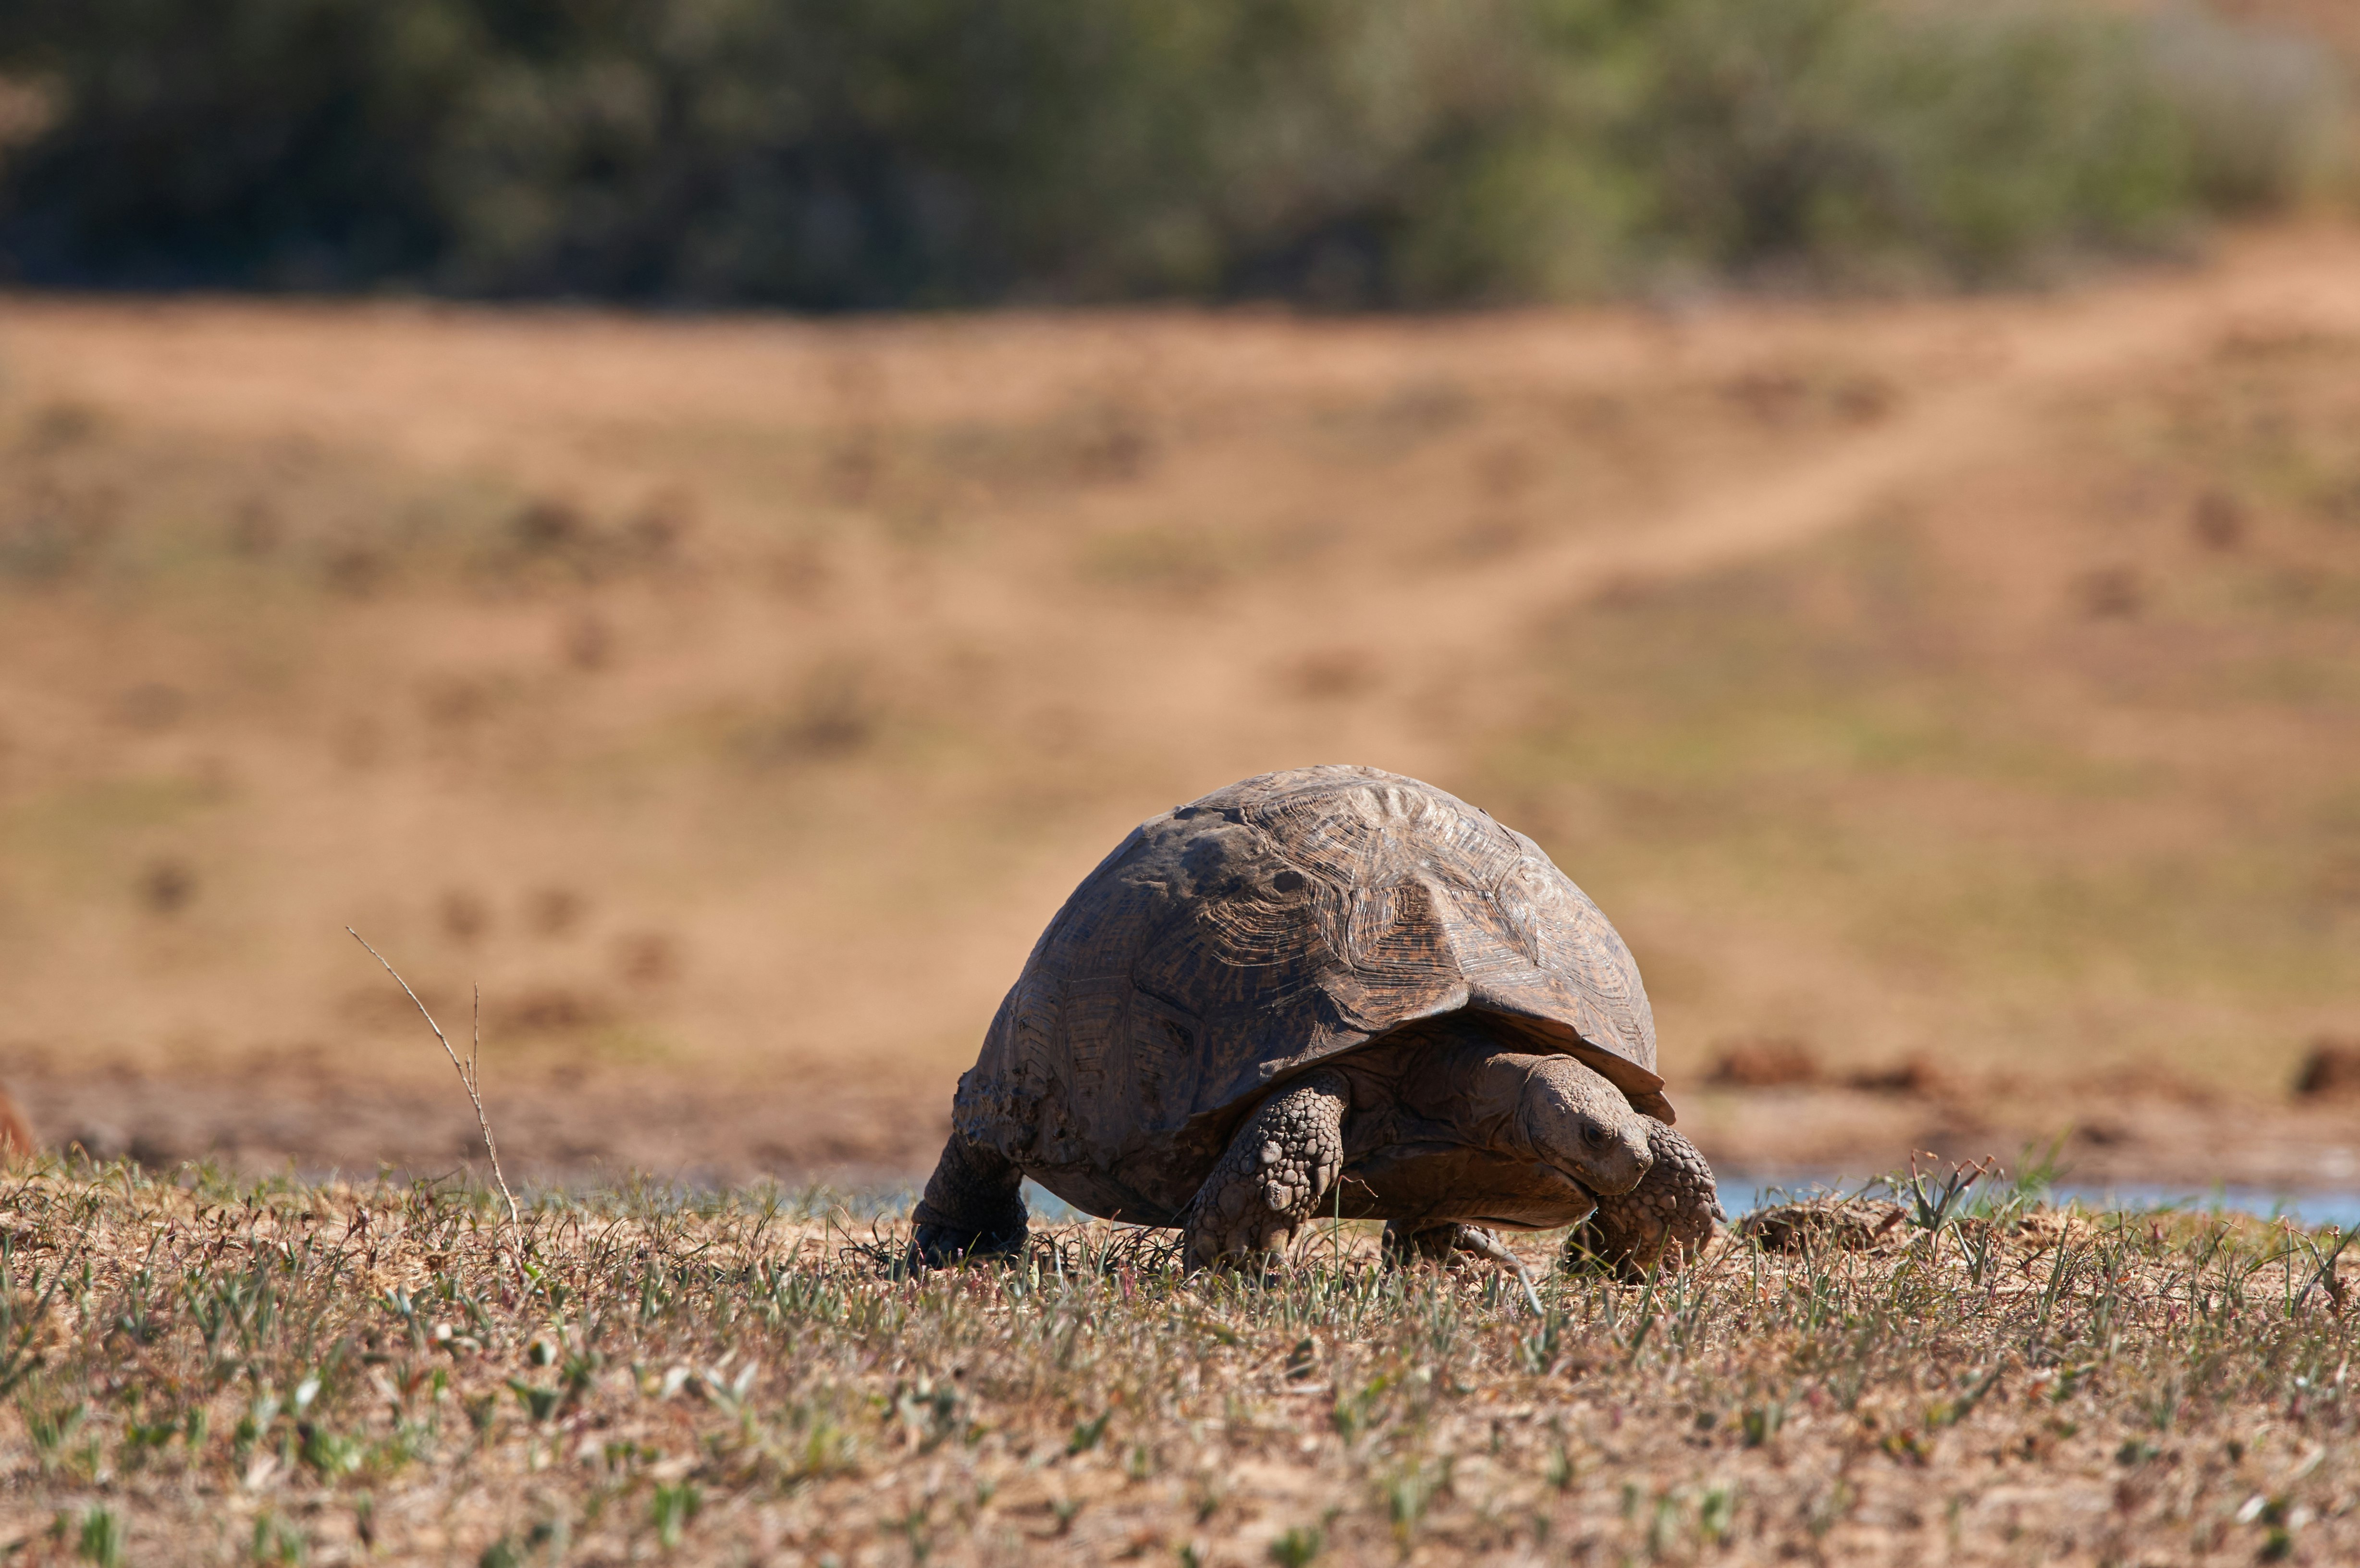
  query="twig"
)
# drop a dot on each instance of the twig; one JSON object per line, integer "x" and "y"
{"x": 469, "y": 1080}
{"x": 1483, "y": 1244}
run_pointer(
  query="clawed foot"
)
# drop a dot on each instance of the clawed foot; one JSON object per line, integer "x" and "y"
{"x": 1270, "y": 1181}
{"x": 973, "y": 1209}
{"x": 1664, "y": 1223}
{"x": 947, "y": 1247}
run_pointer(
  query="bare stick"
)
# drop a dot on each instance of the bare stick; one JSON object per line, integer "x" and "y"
{"x": 1475, "y": 1239}
{"x": 467, "y": 1079}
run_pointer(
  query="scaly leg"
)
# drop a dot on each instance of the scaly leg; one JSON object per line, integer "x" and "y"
{"x": 974, "y": 1208}
{"x": 1270, "y": 1179}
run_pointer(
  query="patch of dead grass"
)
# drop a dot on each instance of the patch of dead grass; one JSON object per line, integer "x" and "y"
{"x": 213, "y": 1370}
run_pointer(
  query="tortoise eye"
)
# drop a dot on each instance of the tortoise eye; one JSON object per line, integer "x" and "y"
{"x": 1596, "y": 1136}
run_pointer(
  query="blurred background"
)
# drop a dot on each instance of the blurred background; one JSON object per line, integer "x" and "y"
{"x": 708, "y": 516}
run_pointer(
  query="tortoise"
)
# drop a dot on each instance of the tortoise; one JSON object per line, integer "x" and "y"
{"x": 1328, "y": 991}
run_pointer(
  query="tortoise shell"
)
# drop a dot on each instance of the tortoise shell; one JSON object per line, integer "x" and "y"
{"x": 1236, "y": 941}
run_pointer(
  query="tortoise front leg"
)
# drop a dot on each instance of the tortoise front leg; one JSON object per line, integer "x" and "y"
{"x": 1270, "y": 1179}
{"x": 974, "y": 1208}
{"x": 1662, "y": 1223}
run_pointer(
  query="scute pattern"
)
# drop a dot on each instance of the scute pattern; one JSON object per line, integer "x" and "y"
{"x": 1240, "y": 940}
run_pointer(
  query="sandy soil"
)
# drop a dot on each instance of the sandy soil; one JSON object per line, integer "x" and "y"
{"x": 1972, "y": 680}
{"x": 866, "y": 1137}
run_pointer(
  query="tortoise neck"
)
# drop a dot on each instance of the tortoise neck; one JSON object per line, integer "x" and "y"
{"x": 1492, "y": 1086}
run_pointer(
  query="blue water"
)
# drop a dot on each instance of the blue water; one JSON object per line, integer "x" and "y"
{"x": 1743, "y": 1194}
{"x": 1047, "y": 1207}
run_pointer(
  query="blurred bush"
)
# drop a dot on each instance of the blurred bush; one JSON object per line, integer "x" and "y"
{"x": 835, "y": 153}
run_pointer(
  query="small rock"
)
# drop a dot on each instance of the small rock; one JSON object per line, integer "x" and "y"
{"x": 588, "y": 642}
{"x": 2110, "y": 592}
{"x": 1914, "y": 1075}
{"x": 465, "y": 915}
{"x": 2100, "y": 1132}
{"x": 2219, "y": 521}
{"x": 1844, "y": 1225}
{"x": 356, "y": 571}
{"x": 167, "y": 887}
{"x": 554, "y": 911}
{"x": 100, "y": 1140}
{"x": 647, "y": 958}
{"x": 2331, "y": 1071}
{"x": 1766, "y": 1063}
{"x": 155, "y": 1148}
{"x": 548, "y": 525}
{"x": 656, "y": 532}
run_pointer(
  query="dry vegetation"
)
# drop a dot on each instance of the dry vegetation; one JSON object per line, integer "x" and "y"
{"x": 1971, "y": 680}
{"x": 212, "y": 1371}
{"x": 1956, "y": 703}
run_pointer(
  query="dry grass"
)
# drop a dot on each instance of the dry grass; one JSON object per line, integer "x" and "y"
{"x": 202, "y": 1370}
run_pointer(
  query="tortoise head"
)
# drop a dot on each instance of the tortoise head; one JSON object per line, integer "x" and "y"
{"x": 1578, "y": 1122}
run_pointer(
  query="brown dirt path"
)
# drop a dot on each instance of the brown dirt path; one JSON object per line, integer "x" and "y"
{"x": 1103, "y": 562}
{"x": 1988, "y": 375}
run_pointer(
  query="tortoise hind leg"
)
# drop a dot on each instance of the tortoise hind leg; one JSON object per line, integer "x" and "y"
{"x": 1270, "y": 1179}
{"x": 1662, "y": 1223}
{"x": 974, "y": 1208}
{"x": 1435, "y": 1244}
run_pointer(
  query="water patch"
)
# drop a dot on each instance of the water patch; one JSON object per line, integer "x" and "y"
{"x": 1049, "y": 1208}
{"x": 1743, "y": 1194}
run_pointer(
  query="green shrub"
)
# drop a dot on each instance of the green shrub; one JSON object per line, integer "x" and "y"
{"x": 838, "y": 153}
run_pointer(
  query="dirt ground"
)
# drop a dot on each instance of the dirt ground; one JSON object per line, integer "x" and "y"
{"x": 868, "y": 1137}
{"x": 1968, "y": 681}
